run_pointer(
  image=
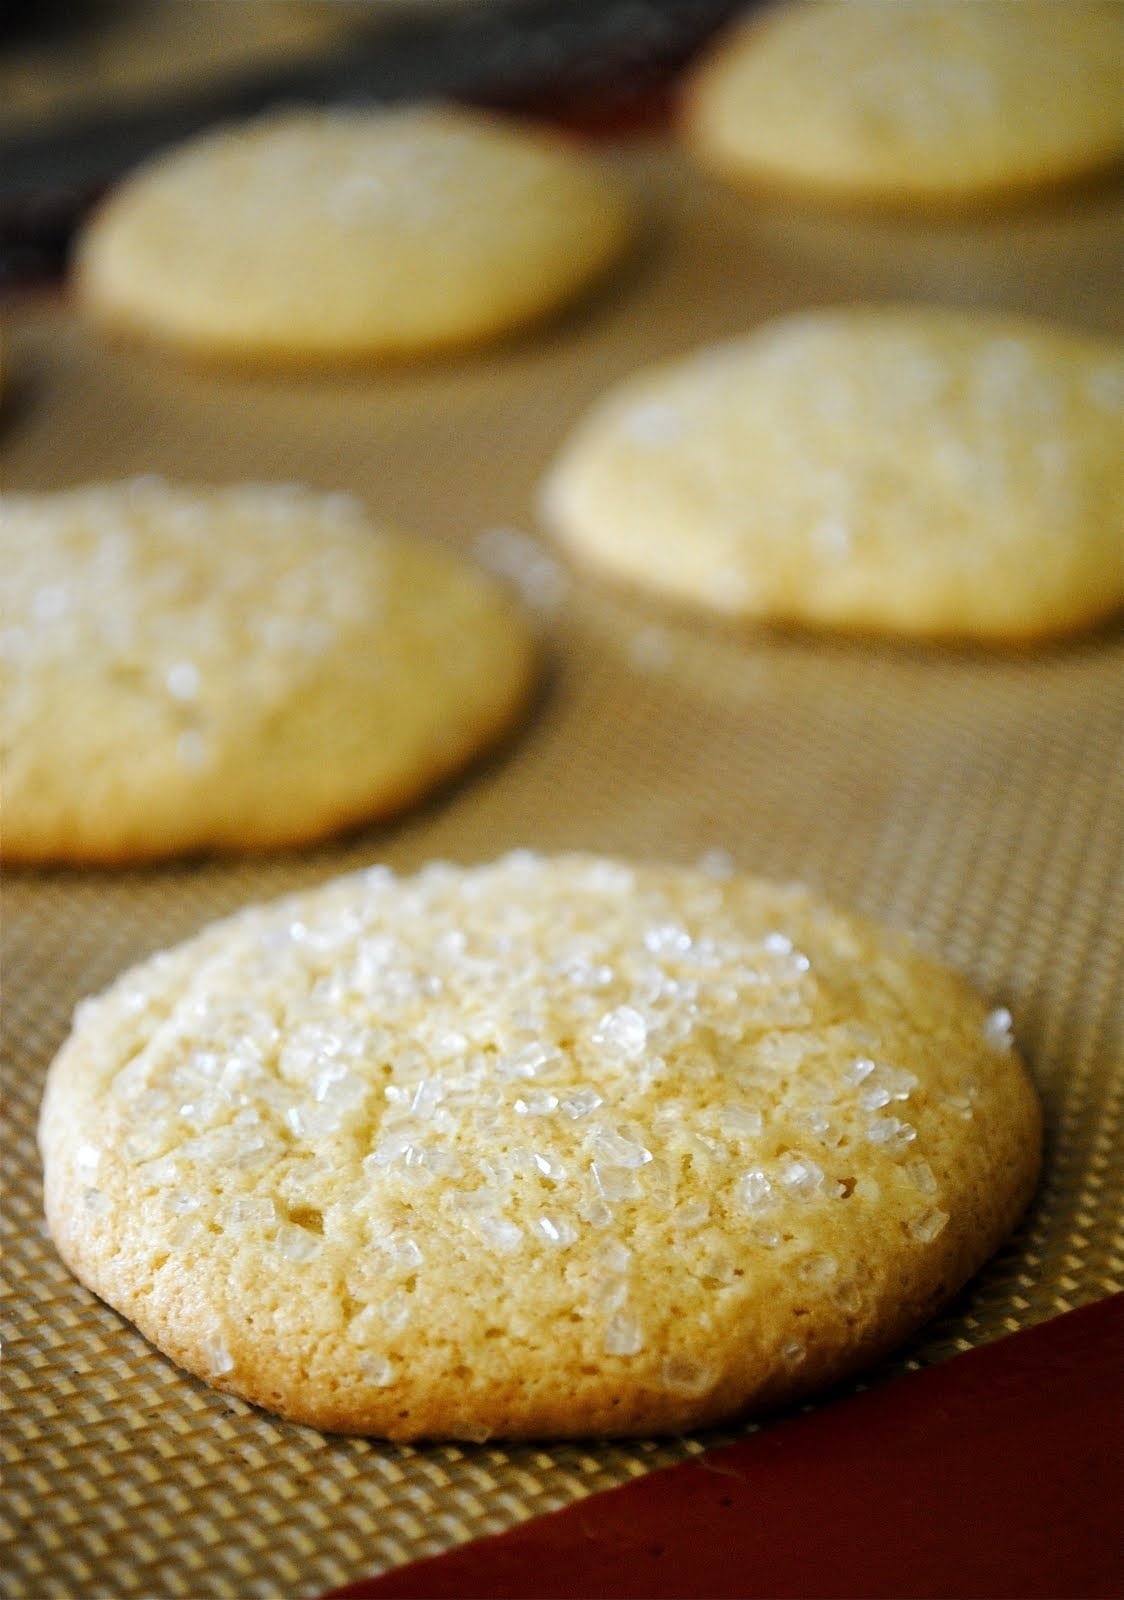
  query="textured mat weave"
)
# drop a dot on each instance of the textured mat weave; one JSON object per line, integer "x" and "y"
{"x": 972, "y": 799}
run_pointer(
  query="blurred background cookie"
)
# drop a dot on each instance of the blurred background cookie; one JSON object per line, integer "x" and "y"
{"x": 910, "y": 470}
{"x": 930, "y": 103}
{"x": 547, "y": 1147}
{"x": 338, "y": 236}
{"x": 239, "y": 668}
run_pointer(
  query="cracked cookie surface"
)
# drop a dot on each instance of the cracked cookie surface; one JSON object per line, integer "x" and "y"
{"x": 549, "y": 1146}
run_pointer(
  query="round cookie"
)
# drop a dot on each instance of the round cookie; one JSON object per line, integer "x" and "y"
{"x": 232, "y": 668}
{"x": 934, "y": 103}
{"x": 338, "y": 236}
{"x": 908, "y": 470}
{"x": 541, "y": 1147}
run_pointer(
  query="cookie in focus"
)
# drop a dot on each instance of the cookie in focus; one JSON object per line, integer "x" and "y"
{"x": 545, "y": 1147}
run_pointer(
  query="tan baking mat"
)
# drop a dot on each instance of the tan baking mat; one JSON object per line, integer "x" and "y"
{"x": 976, "y": 800}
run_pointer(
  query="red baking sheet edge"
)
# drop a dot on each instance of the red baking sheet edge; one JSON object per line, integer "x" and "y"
{"x": 998, "y": 1473}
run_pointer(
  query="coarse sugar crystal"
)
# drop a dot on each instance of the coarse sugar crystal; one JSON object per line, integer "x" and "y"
{"x": 820, "y": 1126}
{"x": 623, "y": 1033}
{"x": 182, "y": 680}
{"x": 497, "y": 1232}
{"x": 920, "y": 1174}
{"x": 687, "y": 1375}
{"x": 595, "y": 1211}
{"x": 717, "y": 864}
{"x": 623, "y": 1336}
{"x": 547, "y": 1165}
{"x": 848, "y": 1297}
{"x": 818, "y": 1268}
{"x": 608, "y": 1293}
{"x": 440, "y": 1162}
{"x": 257, "y": 1212}
{"x": 960, "y": 1105}
{"x": 927, "y": 1225}
{"x": 740, "y": 1121}
{"x": 615, "y": 1183}
{"x": 801, "y": 1176}
{"x": 427, "y": 1095}
{"x": 610, "y": 878}
{"x": 588, "y": 974}
{"x": 394, "y": 1147}
{"x": 716, "y": 1267}
{"x": 470, "y": 1429}
{"x": 999, "y": 1029}
{"x": 556, "y": 1230}
{"x": 667, "y": 939}
{"x": 891, "y": 1134}
{"x": 217, "y": 1356}
{"x": 297, "y": 1244}
{"x": 769, "y": 1238}
{"x": 656, "y": 1181}
{"x": 609, "y": 1145}
{"x": 401, "y": 1250}
{"x": 690, "y": 1214}
{"x": 396, "y": 1310}
{"x": 144, "y": 1143}
{"x": 754, "y": 1190}
{"x": 536, "y": 1103}
{"x": 529, "y": 1060}
{"x": 782, "y": 1051}
{"x": 898, "y": 1083}
{"x": 859, "y": 1070}
{"x": 378, "y": 1370}
{"x": 580, "y": 1102}
{"x": 612, "y": 1256}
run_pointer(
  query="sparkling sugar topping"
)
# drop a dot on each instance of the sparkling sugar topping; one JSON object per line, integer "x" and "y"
{"x": 998, "y": 1029}
{"x": 115, "y": 576}
{"x": 568, "y": 1060}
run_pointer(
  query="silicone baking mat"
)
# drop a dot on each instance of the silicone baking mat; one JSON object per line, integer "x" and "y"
{"x": 972, "y": 798}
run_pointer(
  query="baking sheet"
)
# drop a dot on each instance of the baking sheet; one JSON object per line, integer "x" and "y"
{"x": 974, "y": 799}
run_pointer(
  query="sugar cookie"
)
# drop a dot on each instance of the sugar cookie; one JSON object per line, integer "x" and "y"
{"x": 910, "y": 470}
{"x": 337, "y": 236}
{"x": 930, "y": 103}
{"x": 186, "y": 669}
{"x": 551, "y": 1146}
